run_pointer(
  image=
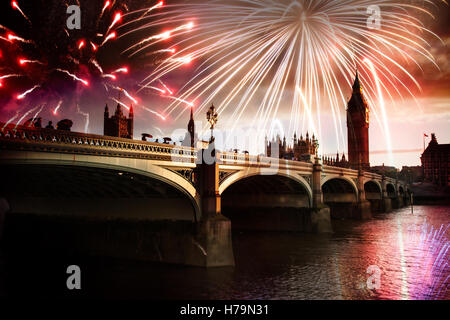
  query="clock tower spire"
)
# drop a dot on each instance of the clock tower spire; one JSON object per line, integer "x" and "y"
{"x": 358, "y": 128}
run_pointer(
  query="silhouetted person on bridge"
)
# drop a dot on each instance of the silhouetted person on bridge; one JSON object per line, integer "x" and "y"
{"x": 50, "y": 125}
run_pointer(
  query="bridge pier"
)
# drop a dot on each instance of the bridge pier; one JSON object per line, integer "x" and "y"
{"x": 213, "y": 232}
{"x": 397, "y": 202}
{"x": 320, "y": 214}
{"x": 386, "y": 203}
{"x": 363, "y": 209}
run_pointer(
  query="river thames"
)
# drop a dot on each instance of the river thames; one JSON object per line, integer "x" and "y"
{"x": 409, "y": 250}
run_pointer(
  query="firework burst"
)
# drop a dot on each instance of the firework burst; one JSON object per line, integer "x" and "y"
{"x": 57, "y": 70}
{"x": 300, "y": 55}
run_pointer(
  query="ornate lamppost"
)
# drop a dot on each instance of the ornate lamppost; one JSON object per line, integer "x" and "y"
{"x": 212, "y": 118}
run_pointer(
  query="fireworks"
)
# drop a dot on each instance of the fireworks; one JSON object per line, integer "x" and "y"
{"x": 12, "y": 37}
{"x": 165, "y": 87}
{"x": 81, "y": 44}
{"x": 117, "y": 18}
{"x": 107, "y": 4}
{"x": 298, "y": 55}
{"x": 55, "y": 111}
{"x": 429, "y": 271}
{"x": 26, "y": 61}
{"x": 112, "y": 35}
{"x": 23, "y": 95}
{"x": 122, "y": 70}
{"x": 74, "y": 77}
{"x": 15, "y": 5}
{"x": 266, "y": 56}
{"x": 39, "y": 63}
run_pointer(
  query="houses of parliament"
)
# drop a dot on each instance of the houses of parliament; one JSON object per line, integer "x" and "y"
{"x": 357, "y": 131}
{"x": 302, "y": 149}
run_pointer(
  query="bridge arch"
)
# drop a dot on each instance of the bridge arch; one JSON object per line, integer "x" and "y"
{"x": 373, "y": 190}
{"x": 344, "y": 182}
{"x": 374, "y": 194}
{"x": 135, "y": 167}
{"x": 280, "y": 202}
{"x": 390, "y": 189}
{"x": 245, "y": 174}
{"x": 341, "y": 195}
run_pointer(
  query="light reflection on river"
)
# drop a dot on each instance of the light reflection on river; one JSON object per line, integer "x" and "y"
{"x": 302, "y": 266}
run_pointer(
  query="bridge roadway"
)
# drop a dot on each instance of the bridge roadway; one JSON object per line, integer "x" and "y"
{"x": 185, "y": 198}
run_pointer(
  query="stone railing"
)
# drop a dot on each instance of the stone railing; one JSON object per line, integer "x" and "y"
{"x": 51, "y": 140}
{"x": 230, "y": 158}
{"x": 24, "y": 138}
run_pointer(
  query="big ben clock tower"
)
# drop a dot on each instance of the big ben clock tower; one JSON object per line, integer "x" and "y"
{"x": 358, "y": 128}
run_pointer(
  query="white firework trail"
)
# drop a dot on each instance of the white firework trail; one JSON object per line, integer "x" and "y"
{"x": 23, "y": 95}
{"x": 158, "y": 37}
{"x": 190, "y": 104}
{"x": 11, "y": 120}
{"x": 85, "y": 82}
{"x": 121, "y": 103}
{"x": 154, "y": 112}
{"x": 129, "y": 96}
{"x": 156, "y": 6}
{"x": 254, "y": 54}
{"x": 25, "y": 61}
{"x": 10, "y": 76}
{"x": 11, "y": 37}
{"x": 112, "y": 35}
{"x": 97, "y": 65}
{"x": 165, "y": 87}
{"x": 120, "y": 70}
{"x": 109, "y": 76}
{"x": 155, "y": 88}
{"x": 36, "y": 115}
{"x": 86, "y": 115}
{"x": 15, "y": 5}
{"x": 55, "y": 111}
{"x": 25, "y": 115}
{"x": 107, "y": 4}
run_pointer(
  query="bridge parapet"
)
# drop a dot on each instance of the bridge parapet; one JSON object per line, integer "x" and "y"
{"x": 51, "y": 140}
{"x": 234, "y": 159}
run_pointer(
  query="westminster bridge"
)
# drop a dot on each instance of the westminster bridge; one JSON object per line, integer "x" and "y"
{"x": 171, "y": 203}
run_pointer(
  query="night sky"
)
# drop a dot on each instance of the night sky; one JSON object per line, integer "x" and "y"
{"x": 48, "y": 43}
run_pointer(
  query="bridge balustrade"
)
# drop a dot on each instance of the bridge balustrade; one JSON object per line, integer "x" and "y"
{"x": 35, "y": 139}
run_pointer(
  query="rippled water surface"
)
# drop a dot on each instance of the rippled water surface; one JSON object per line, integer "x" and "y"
{"x": 410, "y": 251}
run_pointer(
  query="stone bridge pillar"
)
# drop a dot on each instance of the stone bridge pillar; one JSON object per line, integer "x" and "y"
{"x": 320, "y": 214}
{"x": 317, "y": 185}
{"x": 386, "y": 203}
{"x": 213, "y": 230}
{"x": 398, "y": 201}
{"x": 364, "y": 208}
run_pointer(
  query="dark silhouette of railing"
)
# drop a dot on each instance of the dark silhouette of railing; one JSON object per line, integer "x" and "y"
{"x": 52, "y": 140}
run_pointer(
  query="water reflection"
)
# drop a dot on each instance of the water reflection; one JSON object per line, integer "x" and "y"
{"x": 411, "y": 251}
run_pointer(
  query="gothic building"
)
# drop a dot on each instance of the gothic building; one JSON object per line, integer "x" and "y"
{"x": 191, "y": 129}
{"x": 340, "y": 162}
{"x": 358, "y": 128}
{"x": 118, "y": 125}
{"x": 301, "y": 149}
{"x": 436, "y": 162}
{"x": 191, "y": 139}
